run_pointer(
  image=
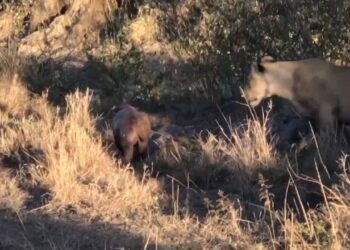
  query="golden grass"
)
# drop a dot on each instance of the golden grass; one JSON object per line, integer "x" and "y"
{"x": 7, "y": 25}
{"x": 326, "y": 226}
{"x": 11, "y": 196}
{"x": 13, "y": 96}
{"x": 78, "y": 172}
{"x": 145, "y": 34}
{"x": 61, "y": 152}
{"x": 245, "y": 147}
{"x": 74, "y": 158}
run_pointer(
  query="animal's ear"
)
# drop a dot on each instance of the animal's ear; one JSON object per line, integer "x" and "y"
{"x": 257, "y": 68}
{"x": 261, "y": 68}
{"x": 267, "y": 59}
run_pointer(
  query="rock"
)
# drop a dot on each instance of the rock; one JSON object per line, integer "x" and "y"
{"x": 77, "y": 27}
{"x": 44, "y": 10}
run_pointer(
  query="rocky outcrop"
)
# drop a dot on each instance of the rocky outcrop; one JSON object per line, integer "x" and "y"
{"x": 74, "y": 25}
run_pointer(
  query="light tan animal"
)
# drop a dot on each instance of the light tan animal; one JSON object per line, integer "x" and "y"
{"x": 131, "y": 131}
{"x": 319, "y": 90}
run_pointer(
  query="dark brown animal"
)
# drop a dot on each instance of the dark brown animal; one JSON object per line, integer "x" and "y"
{"x": 131, "y": 131}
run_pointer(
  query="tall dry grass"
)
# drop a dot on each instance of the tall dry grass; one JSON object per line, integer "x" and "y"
{"x": 61, "y": 152}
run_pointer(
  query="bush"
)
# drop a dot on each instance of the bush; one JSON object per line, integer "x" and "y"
{"x": 207, "y": 47}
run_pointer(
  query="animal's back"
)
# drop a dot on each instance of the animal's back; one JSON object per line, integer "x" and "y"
{"x": 317, "y": 88}
{"x": 125, "y": 121}
{"x": 340, "y": 85}
{"x": 126, "y": 113}
{"x": 328, "y": 84}
{"x": 331, "y": 79}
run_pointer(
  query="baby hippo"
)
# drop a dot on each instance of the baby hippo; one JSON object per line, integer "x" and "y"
{"x": 131, "y": 131}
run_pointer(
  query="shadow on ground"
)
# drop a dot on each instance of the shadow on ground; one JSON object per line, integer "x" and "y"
{"x": 36, "y": 231}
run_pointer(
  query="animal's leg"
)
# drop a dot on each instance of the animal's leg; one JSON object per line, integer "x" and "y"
{"x": 143, "y": 149}
{"x": 128, "y": 153}
{"x": 327, "y": 118}
{"x": 143, "y": 155}
{"x": 118, "y": 144}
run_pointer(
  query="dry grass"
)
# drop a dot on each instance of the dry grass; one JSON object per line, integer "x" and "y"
{"x": 6, "y": 25}
{"x": 61, "y": 188}
{"x": 79, "y": 174}
{"x": 244, "y": 147}
{"x": 58, "y": 154}
{"x": 145, "y": 33}
{"x": 10, "y": 195}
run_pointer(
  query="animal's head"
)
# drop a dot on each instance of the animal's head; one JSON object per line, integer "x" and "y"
{"x": 257, "y": 88}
